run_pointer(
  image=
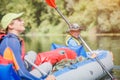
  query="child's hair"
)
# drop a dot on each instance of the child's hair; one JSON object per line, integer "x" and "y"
{"x": 2, "y": 31}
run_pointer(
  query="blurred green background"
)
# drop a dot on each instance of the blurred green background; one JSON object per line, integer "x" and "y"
{"x": 44, "y": 25}
{"x": 101, "y": 16}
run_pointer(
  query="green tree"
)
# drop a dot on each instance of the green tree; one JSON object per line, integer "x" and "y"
{"x": 108, "y": 15}
{"x": 39, "y": 17}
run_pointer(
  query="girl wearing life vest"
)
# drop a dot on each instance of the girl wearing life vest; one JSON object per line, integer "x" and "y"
{"x": 11, "y": 46}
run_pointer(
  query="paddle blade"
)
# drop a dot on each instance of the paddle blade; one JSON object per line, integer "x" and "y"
{"x": 51, "y": 3}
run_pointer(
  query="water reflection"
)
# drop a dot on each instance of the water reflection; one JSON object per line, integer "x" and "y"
{"x": 42, "y": 44}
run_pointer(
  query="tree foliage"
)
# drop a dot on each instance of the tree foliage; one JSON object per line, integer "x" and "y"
{"x": 39, "y": 17}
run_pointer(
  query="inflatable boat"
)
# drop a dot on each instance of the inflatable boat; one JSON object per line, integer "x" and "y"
{"x": 88, "y": 69}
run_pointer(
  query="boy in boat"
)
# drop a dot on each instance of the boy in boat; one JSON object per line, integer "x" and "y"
{"x": 72, "y": 40}
{"x": 11, "y": 47}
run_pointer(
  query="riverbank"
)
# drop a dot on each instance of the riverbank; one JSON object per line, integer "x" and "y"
{"x": 108, "y": 34}
{"x": 84, "y": 34}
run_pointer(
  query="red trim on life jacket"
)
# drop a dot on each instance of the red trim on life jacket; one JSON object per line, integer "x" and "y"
{"x": 2, "y": 35}
{"x": 5, "y": 61}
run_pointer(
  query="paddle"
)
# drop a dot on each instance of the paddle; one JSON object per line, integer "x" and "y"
{"x": 53, "y": 5}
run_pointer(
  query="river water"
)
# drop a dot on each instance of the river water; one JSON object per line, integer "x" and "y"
{"x": 111, "y": 43}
